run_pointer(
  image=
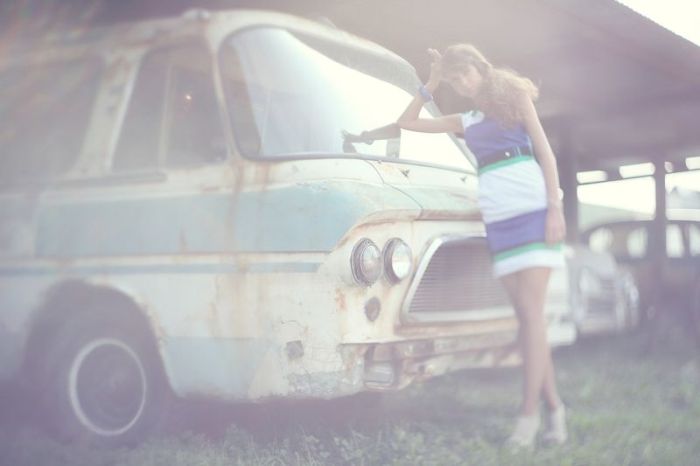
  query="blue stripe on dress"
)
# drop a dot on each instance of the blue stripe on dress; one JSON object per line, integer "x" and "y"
{"x": 516, "y": 231}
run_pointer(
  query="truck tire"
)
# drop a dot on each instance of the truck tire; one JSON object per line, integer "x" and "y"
{"x": 102, "y": 382}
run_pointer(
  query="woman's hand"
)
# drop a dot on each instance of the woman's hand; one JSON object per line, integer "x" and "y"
{"x": 435, "y": 70}
{"x": 555, "y": 227}
{"x": 352, "y": 137}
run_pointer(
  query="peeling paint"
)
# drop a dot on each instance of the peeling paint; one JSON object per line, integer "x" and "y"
{"x": 340, "y": 300}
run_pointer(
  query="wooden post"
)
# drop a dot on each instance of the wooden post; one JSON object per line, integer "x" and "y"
{"x": 657, "y": 235}
{"x": 568, "y": 167}
{"x": 656, "y": 252}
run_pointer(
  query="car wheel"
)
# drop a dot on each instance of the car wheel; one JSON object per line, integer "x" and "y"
{"x": 104, "y": 384}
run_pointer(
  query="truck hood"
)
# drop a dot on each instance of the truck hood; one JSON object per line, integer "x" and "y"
{"x": 441, "y": 193}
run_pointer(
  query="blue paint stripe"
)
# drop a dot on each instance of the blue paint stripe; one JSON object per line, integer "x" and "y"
{"x": 267, "y": 267}
{"x": 516, "y": 231}
{"x": 311, "y": 218}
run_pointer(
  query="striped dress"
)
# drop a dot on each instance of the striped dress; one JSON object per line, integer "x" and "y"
{"x": 512, "y": 195}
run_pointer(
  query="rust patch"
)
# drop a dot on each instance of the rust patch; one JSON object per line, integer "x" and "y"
{"x": 262, "y": 173}
{"x": 352, "y": 356}
{"x": 156, "y": 325}
{"x": 235, "y": 178}
{"x": 434, "y": 214}
{"x": 340, "y": 303}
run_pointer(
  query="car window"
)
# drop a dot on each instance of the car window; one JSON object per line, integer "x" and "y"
{"x": 637, "y": 240}
{"x": 45, "y": 110}
{"x": 173, "y": 118}
{"x": 693, "y": 240}
{"x": 290, "y": 94}
{"x": 674, "y": 241}
{"x": 601, "y": 240}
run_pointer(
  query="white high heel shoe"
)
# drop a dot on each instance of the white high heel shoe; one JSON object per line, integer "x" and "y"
{"x": 524, "y": 433}
{"x": 555, "y": 431}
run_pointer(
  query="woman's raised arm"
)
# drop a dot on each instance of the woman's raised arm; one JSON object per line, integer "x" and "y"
{"x": 410, "y": 120}
{"x": 444, "y": 124}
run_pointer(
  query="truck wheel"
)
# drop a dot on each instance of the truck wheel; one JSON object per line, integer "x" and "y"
{"x": 103, "y": 384}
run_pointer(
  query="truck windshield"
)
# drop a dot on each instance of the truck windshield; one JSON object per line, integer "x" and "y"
{"x": 290, "y": 94}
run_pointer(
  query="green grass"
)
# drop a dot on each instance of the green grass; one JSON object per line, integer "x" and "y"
{"x": 626, "y": 407}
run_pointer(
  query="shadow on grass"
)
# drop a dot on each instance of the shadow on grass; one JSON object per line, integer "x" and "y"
{"x": 619, "y": 392}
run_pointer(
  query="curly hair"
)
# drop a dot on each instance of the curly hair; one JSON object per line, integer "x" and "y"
{"x": 501, "y": 89}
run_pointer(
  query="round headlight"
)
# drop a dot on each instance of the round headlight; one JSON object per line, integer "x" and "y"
{"x": 589, "y": 283}
{"x": 366, "y": 262}
{"x": 397, "y": 260}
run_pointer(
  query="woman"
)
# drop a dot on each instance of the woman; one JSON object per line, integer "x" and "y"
{"x": 520, "y": 203}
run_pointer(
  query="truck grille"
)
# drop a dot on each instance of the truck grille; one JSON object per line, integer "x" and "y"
{"x": 455, "y": 276}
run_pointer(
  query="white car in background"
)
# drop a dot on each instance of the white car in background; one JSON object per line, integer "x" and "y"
{"x": 561, "y": 328}
{"x": 604, "y": 296}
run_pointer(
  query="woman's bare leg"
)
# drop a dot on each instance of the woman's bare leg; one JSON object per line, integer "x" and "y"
{"x": 537, "y": 358}
{"x": 549, "y": 389}
{"x": 510, "y": 283}
{"x": 528, "y": 294}
{"x": 550, "y": 393}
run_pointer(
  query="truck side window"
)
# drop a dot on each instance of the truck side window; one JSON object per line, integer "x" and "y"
{"x": 139, "y": 141}
{"x": 193, "y": 124}
{"x": 44, "y": 110}
{"x": 173, "y": 118}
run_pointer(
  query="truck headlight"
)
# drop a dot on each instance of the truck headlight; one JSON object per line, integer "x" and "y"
{"x": 397, "y": 260}
{"x": 366, "y": 262}
{"x": 589, "y": 283}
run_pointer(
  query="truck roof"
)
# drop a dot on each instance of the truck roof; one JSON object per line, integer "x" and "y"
{"x": 214, "y": 25}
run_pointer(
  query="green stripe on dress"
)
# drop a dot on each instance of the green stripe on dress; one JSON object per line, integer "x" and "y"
{"x": 506, "y": 162}
{"x": 526, "y": 248}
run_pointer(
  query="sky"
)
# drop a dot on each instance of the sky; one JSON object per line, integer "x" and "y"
{"x": 683, "y": 18}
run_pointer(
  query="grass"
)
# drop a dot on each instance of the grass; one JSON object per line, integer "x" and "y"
{"x": 626, "y": 407}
